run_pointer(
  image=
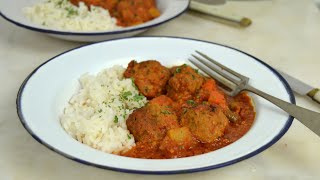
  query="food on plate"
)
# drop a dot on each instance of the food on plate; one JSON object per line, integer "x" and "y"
{"x": 151, "y": 111}
{"x": 206, "y": 123}
{"x": 127, "y": 12}
{"x": 188, "y": 115}
{"x": 63, "y": 15}
{"x": 184, "y": 83}
{"x": 178, "y": 140}
{"x": 150, "y": 123}
{"x": 96, "y": 115}
{"x": 91, "y": 15}
{"x": 149, "y": 76}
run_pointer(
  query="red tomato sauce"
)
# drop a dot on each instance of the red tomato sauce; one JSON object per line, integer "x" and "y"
{"x": 233, "y": 132}
{"x": 127, "y": 12}
{"x": 188, "y": 114}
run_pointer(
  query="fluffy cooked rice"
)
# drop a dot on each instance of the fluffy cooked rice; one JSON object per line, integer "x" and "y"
{"x": 63, "y": 15}
{"x": 96, "y": 115}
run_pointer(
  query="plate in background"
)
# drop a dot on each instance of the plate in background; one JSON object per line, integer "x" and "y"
{"x": 12, "y": 11}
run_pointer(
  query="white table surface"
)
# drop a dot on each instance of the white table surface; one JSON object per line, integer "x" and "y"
{"x": 284, "y": 33}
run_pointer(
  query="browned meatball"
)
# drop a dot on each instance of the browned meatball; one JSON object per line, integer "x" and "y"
{"x": 149, "y": 76}
{"x": 205, "y": 123}
{"x": 151, "y": 123}
{"x": 184, "y": 83}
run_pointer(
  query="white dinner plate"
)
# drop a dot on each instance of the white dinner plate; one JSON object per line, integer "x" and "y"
{"x": 12, "y": 11}
{"x": 46, "y": 91}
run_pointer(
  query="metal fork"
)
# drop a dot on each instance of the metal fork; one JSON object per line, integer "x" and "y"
{"x": 236, "y": 83}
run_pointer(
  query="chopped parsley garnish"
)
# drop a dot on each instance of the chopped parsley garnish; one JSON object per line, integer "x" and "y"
{"x": 191, "y": 102}
{"x": 100, "y": 110}
{"x": 165, "y": 112}
{"x": 115, "y": 120}
{"x": 196, "y": 70}
{"x": 129, "y": 137}
{"x": 126, "y": 94}
{"x": 59, "y": 3}
{"x": 71, "y": 11}
{"x": 133, "y": 84}
{"x": 124, "y": 115}
{"x": 137, "y": 97}
{"x": 178, "y": 70}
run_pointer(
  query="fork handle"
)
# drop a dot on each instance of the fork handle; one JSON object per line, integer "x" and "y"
{"x": 307, "y": 117}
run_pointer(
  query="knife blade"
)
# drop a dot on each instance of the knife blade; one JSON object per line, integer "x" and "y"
{"x": 301, "y": 87}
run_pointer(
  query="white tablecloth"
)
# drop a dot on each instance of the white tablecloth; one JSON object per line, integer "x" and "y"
{"x": 284, "y": 33}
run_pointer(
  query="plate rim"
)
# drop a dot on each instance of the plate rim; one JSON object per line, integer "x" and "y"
{"x": 159, "y": 172}
{"x": 112, "y": 32}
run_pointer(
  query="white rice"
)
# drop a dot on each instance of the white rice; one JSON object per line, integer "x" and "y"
{"x": 97, "y": 114}
{"x": 63, "y": 15}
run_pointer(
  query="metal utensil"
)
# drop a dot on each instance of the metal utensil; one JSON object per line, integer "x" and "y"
{"x": 211, "y": 2}
{"x": 236, "y": 83}
{"x": 219, "y": 14}
{"x": 302, "y": 88}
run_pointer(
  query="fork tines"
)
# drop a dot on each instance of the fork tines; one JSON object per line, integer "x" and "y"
{"x": 219, "y": 72}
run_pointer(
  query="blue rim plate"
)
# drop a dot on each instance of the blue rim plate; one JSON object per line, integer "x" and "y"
{"x": 12, "y": 12}
{"x": 39, "y": 104}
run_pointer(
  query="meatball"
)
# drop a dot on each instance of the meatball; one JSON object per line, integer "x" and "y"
{"x": 205, "y": 123}
{"x": 151, "y": 123}
{"x": 184, "y": 83}
{"x": 149, "y": 76}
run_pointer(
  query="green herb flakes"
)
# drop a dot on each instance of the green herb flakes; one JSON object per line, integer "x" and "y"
{"x": 133, "y": 84}
{"x": 191, "y": 102}
{"x": 165, "y": 112}
{"x": 129, "y": 137}
{"x": 115, "y": 120}
{"x": 126, "y": 94}
{"x": 59, "y": 3}
{"x": 178, "y": 70}
{"x": 138, "y": 97}
{"x": 71, "y": 11}
{"x": 124, "y": 115}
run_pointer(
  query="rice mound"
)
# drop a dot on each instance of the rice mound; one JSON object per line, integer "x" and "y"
{"x": 96, "y": 115}
{"x": 63, "y": 15}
